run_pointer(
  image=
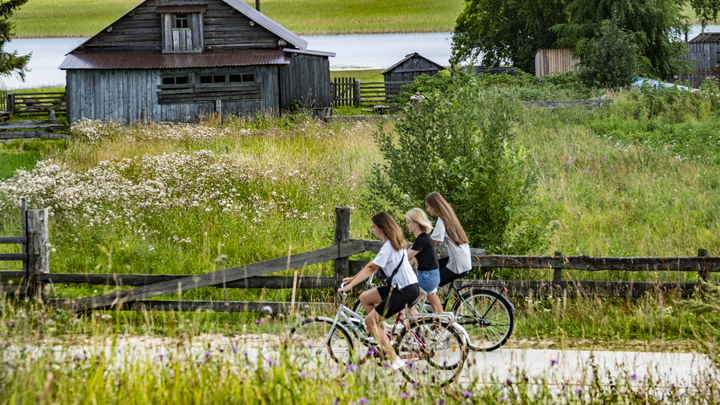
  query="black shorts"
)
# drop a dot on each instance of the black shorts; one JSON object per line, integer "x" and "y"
{"x": 447, "y": 276}
{"x": 396, "y": 300}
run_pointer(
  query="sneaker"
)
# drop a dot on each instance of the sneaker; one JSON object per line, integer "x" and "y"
{"x": 398, "y": 364}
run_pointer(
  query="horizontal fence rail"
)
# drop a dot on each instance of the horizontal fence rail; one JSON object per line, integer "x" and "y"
{"x": 255, "y": 275}
{"x": 42, "y": 129}
{"x": 37, "y": 104}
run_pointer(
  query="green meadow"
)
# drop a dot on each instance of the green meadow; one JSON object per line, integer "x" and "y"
{"x": 84, "y": 18}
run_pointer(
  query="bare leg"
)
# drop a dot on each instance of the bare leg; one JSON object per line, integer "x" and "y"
{"x": 369, "y": 299}
{"x": 375, "y": 325}
{"x": 435, "y": 302}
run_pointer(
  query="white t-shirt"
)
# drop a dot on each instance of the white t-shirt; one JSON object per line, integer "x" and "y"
{"x": 388, "y": 259}
{"x": 459, "y": 260}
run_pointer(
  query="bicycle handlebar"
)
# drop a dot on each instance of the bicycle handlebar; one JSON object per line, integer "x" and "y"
{"x": 344, "y": 294}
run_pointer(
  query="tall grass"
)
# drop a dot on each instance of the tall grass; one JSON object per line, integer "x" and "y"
{"x": 85, "y": 18}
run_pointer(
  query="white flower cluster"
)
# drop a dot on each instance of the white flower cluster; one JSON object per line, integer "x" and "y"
{"x": 128, "y": 190}
{"x": 96, "y": 131}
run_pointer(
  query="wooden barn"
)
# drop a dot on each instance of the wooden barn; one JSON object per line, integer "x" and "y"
{"x": 405, "y": 71}
{"x": 704, "y": 55}
{"x": 548, "y": 61}
{"x": 177, "y": 60}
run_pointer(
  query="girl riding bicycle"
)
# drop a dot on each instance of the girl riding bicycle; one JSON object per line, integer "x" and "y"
{"x": 423, "y": 252}
{"x": 448, "y": 230}
{"x": 402, "y": 291}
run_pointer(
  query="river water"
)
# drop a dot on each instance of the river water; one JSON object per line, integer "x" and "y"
{"x": 356, "y": 51}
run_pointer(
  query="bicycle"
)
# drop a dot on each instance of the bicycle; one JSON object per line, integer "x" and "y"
{"x": 486, "y": 315}
{"x": 433, "y": 345}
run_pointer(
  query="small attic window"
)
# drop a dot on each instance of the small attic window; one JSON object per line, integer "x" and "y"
{"x": 181, "y": 21}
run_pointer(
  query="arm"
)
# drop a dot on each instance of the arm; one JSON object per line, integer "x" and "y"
{"x": 351, "y": 282}
{"x": 411, "y": 254}
{"x": 436, "y": 242}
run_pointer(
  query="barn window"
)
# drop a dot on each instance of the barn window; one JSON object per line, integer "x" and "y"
{"x": 182, "y": 28}
{"x": 246, "y": 77}
{"x": 181, "y": 21}
{"x": 176, "y": 80}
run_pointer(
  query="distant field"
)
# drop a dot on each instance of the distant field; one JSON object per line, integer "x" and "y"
{"x": 84, "y": 18}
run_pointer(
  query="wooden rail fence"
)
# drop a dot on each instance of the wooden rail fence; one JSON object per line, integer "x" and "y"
{"x": 37, "y": 104}
{"x": 351, "y": 91}
{"x": 36, "y": 277}
{"x": 40, "y": 129}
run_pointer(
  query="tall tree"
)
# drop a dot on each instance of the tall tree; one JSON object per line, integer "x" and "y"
{"x": 10, "y": 62}
{"x": 656, "y": 27}
{"x": 506, "y": 30}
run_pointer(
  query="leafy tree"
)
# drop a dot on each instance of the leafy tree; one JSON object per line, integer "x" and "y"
{"x": 10, "y": 62}
{"x": 655, "y": 26}
{"x": 461, "y": 146}
{"x": 611, "y": 58}
{"x": 510, "y": 30}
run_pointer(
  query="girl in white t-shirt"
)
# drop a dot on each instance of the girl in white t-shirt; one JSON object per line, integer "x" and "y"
{"x": 392, "y": 299}
{"x": 448, "y": 230}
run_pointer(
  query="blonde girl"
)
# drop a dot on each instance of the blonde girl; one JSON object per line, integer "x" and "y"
{"x": 422, "y": 252}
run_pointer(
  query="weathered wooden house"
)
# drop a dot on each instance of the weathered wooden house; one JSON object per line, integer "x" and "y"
{"x": 704, "y": 56}
{"x": 548, "y": 61}
{"x": 405, "y": 71}
{"x": 175, "y": 59}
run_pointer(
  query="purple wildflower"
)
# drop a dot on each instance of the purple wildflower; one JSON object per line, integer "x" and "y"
{"x": 11, "y": 324}
{"x": 386, "y": 364}
{"x": 245, "y": 353}
{"x": 441, "y": 401}
{"x": 336, "y": 401}
{"x": 543, "y": 285}
{"x": 410, "y": 364}
{"x": 404, "y": 396}
{"x": 221, "y": 350}
{"x": 161, "y": 356}
{"x": 303, "y": 374}
{"x": 362, "y": 401}
{"x": 633, "y": 377}
{"x": 468, "y": 394}
{"x": 553, "y": 362}
{"x": 208, "y": 355}
{"x": 267, "y": 309}
{"x": 580, "y": 390}
{"x": 257, "y": 322}
{"x": 234, "y": 349}
{"x": 502, "y": 399}
{"x": 310, "y": 345}
{"x": 509, "y": 381}
{"x": 271, "y": 362}
{"x": 351, "y": 368}
{"x": 80, "y": 357}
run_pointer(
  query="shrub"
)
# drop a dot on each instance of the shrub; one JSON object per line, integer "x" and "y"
{"x": 611, "y": 59}
{"x": 460, "y": 145}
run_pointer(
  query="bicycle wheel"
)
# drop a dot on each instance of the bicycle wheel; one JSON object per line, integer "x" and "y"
{"x": 487, "y": 316}
{"x": 434, "y": 350}
{"x": 311, "y": 339}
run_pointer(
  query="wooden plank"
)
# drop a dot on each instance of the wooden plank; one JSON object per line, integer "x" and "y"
{"x": 31, "y": 124}
{"x": 221, "y": 276}
{"x": 32, "y": 135}
{"x": 12, "y": 274}
{"x": 138, "y": 280}
{"x": 517, "y": 288}
{"x": 12, "y": 257}
{"x": 212, "y": 306}
{"x": 8, "y": 240}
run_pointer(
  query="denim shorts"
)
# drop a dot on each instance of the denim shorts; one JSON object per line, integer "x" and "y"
{"x": 428, "y": 280}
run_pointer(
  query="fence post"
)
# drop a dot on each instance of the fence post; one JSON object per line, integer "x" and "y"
{"x": 557, "y": 273}
{"x": 218, "y": 110}
{"x": 11, "y": 103}
{"x": 38, "y": 252}
{"x": 342, "y": 234}
{"x": 143, "y": 115}
{"x": 51, "y": 115}
{"x": 704, "y": 274}
{"x": 356, "y": 92}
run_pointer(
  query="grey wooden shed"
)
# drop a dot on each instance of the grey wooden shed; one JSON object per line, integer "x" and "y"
{"x": 703, "y": 51}
{"x": 406, "y": 70}
{"x": 178, "y": 60}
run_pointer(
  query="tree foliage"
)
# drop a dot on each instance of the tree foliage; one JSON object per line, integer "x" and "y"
{"x": 610, "y": 59}
{"x": 461, "y": 145}
{"x": 10, "y": 62}
{"x": 656, "y": 28}
{"x": 506, "y": 30}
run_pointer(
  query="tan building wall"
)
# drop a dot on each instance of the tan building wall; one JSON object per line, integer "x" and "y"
{"x": 554, "y": 60}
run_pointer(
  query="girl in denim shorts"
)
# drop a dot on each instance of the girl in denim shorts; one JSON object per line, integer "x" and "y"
{"x": 422, "y": 252}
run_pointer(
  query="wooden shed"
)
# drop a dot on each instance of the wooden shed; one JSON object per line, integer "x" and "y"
{"x": 178, "y": 60}
{"x": 405, "y": 71}
{"x": 704, "y": 55}
{"x": 548, "y": 61}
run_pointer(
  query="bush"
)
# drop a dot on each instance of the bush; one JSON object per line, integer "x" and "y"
{"x": 460, "y": 145}
{"x": 611, "y": 59}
